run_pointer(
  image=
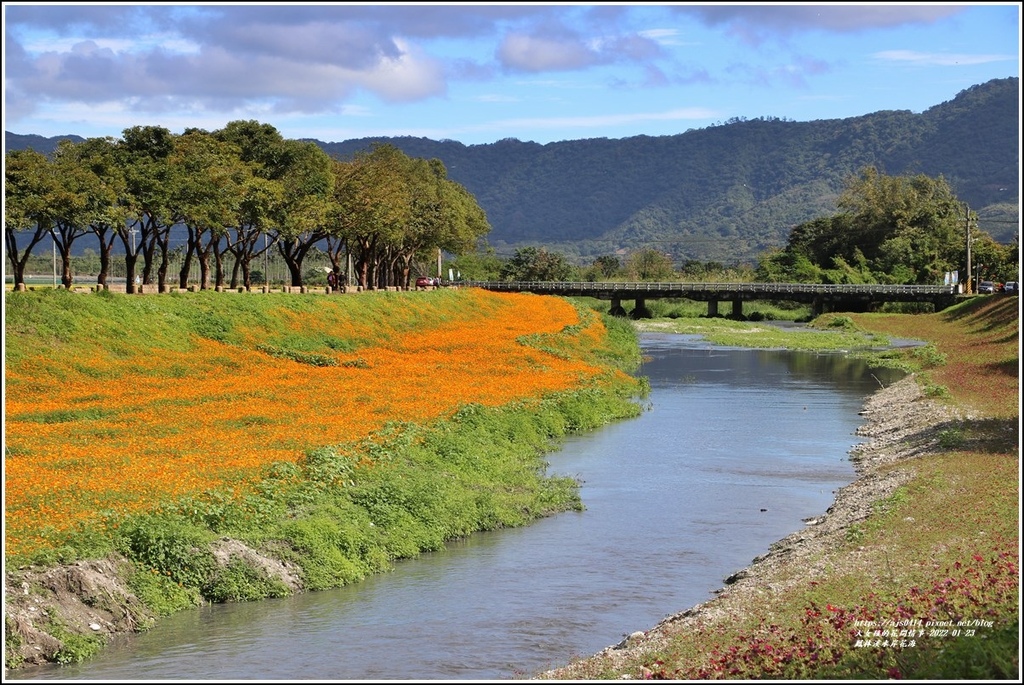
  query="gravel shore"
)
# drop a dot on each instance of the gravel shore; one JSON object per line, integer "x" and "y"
{"x": 900, "y": 424}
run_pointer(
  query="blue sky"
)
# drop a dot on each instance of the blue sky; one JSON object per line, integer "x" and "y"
{"x": 478, "y": 73}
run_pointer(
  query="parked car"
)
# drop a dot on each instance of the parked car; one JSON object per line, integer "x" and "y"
{"x": 424, "y": 282}
{"x": 986, "y": 287}
{"x": 1011, "y": 287}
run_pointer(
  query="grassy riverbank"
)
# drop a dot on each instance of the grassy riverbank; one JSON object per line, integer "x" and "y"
{"x": 169, "y": 450}
{"x": 914, "y": 572}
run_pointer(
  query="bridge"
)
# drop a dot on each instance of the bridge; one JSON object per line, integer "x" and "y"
{"x": 821, "y": 296}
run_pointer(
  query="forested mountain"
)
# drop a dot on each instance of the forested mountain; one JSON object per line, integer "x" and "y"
{"x": 725, "y": 193}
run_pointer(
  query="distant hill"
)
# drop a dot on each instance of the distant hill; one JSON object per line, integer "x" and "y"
{"x": 15, "y": 141}
{"x": 724, "y": 193}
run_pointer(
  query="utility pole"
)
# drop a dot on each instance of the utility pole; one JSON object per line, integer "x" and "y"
{"x": 967, "y": 227}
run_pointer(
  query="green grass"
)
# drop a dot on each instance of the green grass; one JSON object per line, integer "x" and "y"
{"x": 819, "y": 335}
{"x": 40, "y": 324}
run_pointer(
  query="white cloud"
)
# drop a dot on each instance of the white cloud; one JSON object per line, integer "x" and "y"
{"x": 532, "y": 53}
{"x": 939, "y": 59}
{"x": 665, "y": 37}
{"x": 410, "y": 76}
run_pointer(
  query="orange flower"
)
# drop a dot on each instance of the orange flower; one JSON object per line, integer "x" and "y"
{"x": 131, "y": 433}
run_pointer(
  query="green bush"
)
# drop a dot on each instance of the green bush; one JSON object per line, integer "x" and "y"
{"x": 241, "y": 582}
{"x": 170, "y": 545}
{"x": 952, "y": 438}
{"x": 328, "y": 547}
{"x": 161, "y": 594}
{"x": 928, "y": 356}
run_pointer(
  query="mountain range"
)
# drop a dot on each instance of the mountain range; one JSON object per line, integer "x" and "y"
{"x": 724, "y": 193}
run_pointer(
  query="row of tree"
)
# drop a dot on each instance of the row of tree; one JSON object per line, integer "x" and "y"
{"x": 891, "y": 229}
{"x": 540, "y": 264}
{"x": 239, "y": 192}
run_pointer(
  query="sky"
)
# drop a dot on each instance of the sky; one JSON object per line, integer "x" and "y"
{"x": 479, "y": 73}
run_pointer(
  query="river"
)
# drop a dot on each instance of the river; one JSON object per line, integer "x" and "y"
{"x": 735, "y": 449}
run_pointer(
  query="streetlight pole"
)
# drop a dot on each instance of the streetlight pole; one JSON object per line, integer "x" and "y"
{"x": 967, "y": 228}
{"x": 130, "y": 287}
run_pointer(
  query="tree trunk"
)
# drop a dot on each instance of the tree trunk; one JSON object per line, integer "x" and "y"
{"x": 105, "y": 248}
{"x": 129, "y": 273}
{"x": 194, "y": 236}
{"x": 218, "y": 255}
{"x": 19, "y": 263}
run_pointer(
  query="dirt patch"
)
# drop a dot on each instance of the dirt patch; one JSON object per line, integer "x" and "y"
{"x": 900, "y": 424}
{"x": 226, "y": 550}
{"x": 46, "y": 609}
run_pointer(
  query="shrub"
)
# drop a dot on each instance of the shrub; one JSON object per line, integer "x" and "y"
{"x": 161, "y": 594}
{"x": 168, "y": 545}
{"x": 241, "y": 582}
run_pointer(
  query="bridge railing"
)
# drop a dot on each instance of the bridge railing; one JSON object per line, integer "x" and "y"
{"x": 584, "y": 287}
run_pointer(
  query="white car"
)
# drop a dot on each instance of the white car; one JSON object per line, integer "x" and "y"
{"x": 1011, "y": 287}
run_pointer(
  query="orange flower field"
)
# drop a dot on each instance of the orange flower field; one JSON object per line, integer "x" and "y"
{"x": 145, "y": 427}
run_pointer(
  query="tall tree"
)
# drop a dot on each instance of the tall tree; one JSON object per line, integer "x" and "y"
{"x": 71, "y": 203}
{"x": 256, "y": 215}
{"x": 891, "y": 229}
{"x": 261, "y": 209}
{"x": 910, "y": 228}
{"x": 536, "y": 264}
{"x": 650, "y": 265}
{"x": 374, "y": 207}
{"x": 304, "y": 219}
{"x": 607, "y": 265}
{"x": 144, "y": 151}
{"x": 28, "y": 183}
{"x": 209, "y": 178}
{"x": 107, "y": 199}
{"x": 443, "y": 216}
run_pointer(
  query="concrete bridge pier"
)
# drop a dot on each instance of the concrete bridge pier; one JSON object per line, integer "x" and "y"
{"x": 817, "y": 307}
{"x": 712, "y": 308}
{"x": 617, "y": 309}
{"x": 737, "y": 309}
{"x": 640, "y": 311}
